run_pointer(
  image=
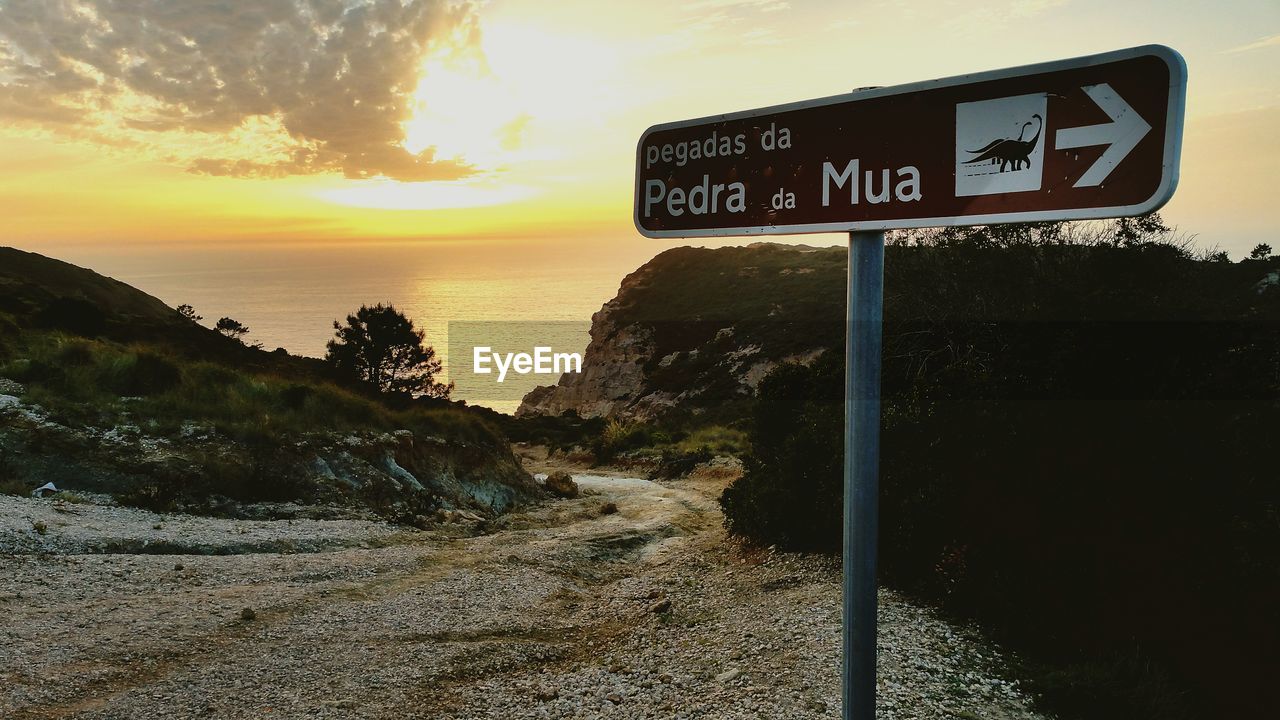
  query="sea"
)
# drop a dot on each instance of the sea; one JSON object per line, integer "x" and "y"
{"x": 289, "y": 296}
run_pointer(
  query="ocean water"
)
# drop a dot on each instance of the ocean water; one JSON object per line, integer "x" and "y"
{"x": 289, "y": 297}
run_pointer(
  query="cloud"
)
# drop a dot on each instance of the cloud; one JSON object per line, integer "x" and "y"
{"x": 1269, "y": 41}
{"x": 995, "y": 17}
{"x": 761, "y": 37}
{"x": 761, "y": 5}
{"x": 511, "y": 135}
{"x": 709, "y": 17}
{"x": 258, "y": 87}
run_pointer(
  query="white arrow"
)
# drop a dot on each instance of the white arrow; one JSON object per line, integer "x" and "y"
{"x": 1123, "y": 133}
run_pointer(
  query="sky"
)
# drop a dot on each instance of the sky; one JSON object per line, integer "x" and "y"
{"x": 512, "y": 124}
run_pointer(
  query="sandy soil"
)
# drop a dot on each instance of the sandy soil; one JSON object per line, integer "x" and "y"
{"x": 564, "y": 611}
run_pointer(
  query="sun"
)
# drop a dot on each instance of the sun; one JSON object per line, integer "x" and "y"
{"x": 463, "y": 110}
{"x": 502, "y": 105}
{"x": 480, "y": 103}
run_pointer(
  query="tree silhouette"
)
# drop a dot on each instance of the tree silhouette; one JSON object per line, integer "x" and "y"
{"x": 189, "y": 313}
{"x": 1261, "y": 251}
{"x": 1137, "y": 230}
{"x": 232, "y": 329}
{"x": 378, "y": 345}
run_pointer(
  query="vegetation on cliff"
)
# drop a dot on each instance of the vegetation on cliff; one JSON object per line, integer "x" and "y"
{"x": 691, "y": 333}
{"x": 1078, "y": 450}
{"x": 120, "y": 394}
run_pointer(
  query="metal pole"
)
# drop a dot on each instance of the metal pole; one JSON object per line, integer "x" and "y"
{"x": 864, "y": 319}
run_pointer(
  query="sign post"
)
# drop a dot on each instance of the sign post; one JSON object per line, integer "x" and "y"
{"x": 863, "y": 320}
{"x": 1091, "y": 137}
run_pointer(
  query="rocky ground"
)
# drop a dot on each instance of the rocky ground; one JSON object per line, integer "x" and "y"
{"x": 573, "y": 609}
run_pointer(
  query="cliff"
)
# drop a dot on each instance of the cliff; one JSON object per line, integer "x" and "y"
{"x": 696, "y": 329}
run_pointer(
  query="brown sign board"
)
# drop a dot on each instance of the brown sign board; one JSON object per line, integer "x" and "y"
{"x": 1091, "y": 137}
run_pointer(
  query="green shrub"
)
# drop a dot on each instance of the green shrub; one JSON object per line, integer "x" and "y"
{"x": 74, "y": 498}
{"x": 210, "y": 377}
{"x": 717, "y": 438}
{"x": 618, "y": 436}
{"x": 142, "y": 374}
{"x": 74, "y": 353}
{"x": 96, "y": 383}
{"x": 28, "y": 370}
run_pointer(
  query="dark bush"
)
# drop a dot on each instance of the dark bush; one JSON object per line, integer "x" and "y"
{"x": 213, "y": 481}
{"x": 75, "y": 353}
{"x": 557, "y": 432}
{"x": 1085, "y": 463}
{"x": 212, "y": 377}
{"x": 11, "y": 482}
{"x": 150, "y": 495}
{"x": 675, "y": 464}
{"x": 789, "y": 494}
{"x": 295, "y": 396}
{"x": 8, "y": 335}
{"x": 144, "y": 374}
{"x": 249, "y": 480}
{"x": 36, "y": 371}
{"x": 73, "y": 315}
{"x": 8, "y": 327}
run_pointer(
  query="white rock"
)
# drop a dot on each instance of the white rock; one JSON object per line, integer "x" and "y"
{"x": 728, "y": 675}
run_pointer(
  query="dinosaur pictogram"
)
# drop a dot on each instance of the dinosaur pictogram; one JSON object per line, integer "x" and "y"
{"x": 1008, "y": 151}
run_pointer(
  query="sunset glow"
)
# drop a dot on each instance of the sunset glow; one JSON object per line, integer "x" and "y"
{"x": 509, "y": 119}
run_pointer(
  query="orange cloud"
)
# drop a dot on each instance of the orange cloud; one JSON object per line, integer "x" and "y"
{"x": 325, "y": 86}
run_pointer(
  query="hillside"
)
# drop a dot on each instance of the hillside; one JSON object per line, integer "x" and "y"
{"x": 29, "y": 283}
{"x": 113, "y": 396}
{"x": 45, "y": 294}
{"x": 694, "y": 330}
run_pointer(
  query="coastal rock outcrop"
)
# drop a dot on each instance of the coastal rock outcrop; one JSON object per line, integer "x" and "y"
{"x": 697, "y": 329}
{"x": 396, "y": 475}
{"x": 561, "y": 484}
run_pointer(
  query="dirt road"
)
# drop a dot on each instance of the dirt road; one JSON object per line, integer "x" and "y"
{"x": 564, "y": 611}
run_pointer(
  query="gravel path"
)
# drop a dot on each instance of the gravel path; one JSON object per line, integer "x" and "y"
{"x": 63, "y": 528}
{"x": 566, "y": 611}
